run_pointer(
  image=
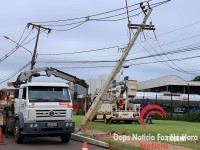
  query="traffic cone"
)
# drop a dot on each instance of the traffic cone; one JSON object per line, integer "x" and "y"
{"x": 1, "y": 137}
{"x": 85, "y": 146}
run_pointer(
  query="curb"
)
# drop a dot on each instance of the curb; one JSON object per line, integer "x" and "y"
{"x": 81, "y": 138}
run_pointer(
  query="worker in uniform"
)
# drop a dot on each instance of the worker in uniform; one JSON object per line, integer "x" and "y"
{"x": 149, "y": 119}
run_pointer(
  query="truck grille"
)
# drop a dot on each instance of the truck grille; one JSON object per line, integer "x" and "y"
{"x": 50, "y": 113}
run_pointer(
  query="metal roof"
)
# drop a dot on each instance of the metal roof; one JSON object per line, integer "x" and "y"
{"x": 164, "y": 81}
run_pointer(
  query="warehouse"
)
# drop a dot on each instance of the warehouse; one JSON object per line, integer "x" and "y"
{"x": 170, "y": 91}
{"x": 174, "y": 84}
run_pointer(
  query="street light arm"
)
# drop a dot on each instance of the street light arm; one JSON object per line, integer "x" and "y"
{"x": 18, "y": 45}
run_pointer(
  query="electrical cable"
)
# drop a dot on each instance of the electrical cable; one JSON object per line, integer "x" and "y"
{"x": 78, "y": 18}
{"x": 85, "y": 51}
{"x": 169, "y": 52}
{"x": 179, "y": 68}
{"x": 166, "y": 62}
{"x": 12, "y": 51}
{"x": 69, "y": 28}
{"x": 180, "y": 40}
{"x": 136, "y": 64}
{"x": 14, "y": 74}
{"x": 106, "y": 18}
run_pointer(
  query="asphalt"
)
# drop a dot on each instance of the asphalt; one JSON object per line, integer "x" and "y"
{"x": 43, "y": 143}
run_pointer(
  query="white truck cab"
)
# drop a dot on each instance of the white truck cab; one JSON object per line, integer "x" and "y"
{"x": 42, "y": 109}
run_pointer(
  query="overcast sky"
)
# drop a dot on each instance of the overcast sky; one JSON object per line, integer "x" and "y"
{"x": 177, "y": 26}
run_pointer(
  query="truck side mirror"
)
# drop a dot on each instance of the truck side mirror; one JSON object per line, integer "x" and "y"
{"x": 16, "y": 93}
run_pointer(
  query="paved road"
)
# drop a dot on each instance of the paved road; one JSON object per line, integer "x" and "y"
{"x": 43, "y": 143}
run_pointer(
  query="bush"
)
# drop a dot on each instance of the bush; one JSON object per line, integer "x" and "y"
{"x": 192, "y": 117}
{"x": 80, "y": 112}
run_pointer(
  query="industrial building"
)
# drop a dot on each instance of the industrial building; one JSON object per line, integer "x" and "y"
{"x": 165, "y": 91}
{"x": 97, "y": 84}
{"x": 174, "y": 84}
{"x": 170, "y": 92}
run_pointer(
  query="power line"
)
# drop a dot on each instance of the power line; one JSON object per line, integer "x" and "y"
{"x": 111, "y": 47}
{"x": 136, "y": 64}
{"x": 190, "y": 47}
{"x": 180, "y": 50}
{"x": 159, "y": 3}
{"x": 177, "y": 59}
{"x": 177, "y": 29}
{"x": 164, "y": 54}
{"x": 14, "y": 74}
{"x": 99, "y": 19}
{"x": 91, "y": 17}
{"x": 18, "y": 45}
{"x": 85, "y": 51}
{"x": 70, "y": 28}
{"x": 179, "y": 68}
{"x": 33, "y": 38}
{"x": 12, "y": 51}
{"x": 94, "y": 15}
{"x": 187, "y": 48}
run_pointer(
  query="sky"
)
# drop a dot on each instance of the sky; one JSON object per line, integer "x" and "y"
{"x": 177, "y": 28}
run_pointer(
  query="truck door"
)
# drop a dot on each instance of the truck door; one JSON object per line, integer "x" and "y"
{"x": 20, "y": 102}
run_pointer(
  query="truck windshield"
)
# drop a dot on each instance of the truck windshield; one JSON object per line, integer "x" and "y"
{"x": 48, "y": 94}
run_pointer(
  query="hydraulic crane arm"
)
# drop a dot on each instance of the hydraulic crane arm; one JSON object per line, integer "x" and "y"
{"x": 24, "y": 76}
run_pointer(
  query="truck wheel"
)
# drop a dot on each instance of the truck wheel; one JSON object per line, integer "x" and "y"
{"x": 19, "y": 138}
{"x": 65, "y": 138}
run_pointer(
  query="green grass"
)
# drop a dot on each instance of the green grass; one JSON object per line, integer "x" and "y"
{"x": 163, "y": 127}
{"x": 122, "y": 146}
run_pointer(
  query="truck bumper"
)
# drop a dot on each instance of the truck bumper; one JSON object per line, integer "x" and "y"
{"x": 122, "y": 119}
{"x": 48, "y": 128}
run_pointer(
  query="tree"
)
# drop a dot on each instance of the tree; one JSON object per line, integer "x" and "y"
{"x": 197, "y": 78}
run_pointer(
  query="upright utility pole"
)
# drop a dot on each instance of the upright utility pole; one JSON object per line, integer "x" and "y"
{"x": 98, "y": 100}
{"x": 188, "y": 98}
{"x": 38, "y": 27}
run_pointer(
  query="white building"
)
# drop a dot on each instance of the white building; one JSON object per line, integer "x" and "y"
{"x": 95, "y": 84}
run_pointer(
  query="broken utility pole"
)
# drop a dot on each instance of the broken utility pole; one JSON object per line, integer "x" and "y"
{"x": 38, "y": 27}
{"x": 99, "y": 99}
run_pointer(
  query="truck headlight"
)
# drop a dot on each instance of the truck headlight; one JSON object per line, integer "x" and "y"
{"x": 35, "y": 125}
{"x": 70, "y": 124}
{"x": 67, "y": 124}
{"x": 31, "y": 125}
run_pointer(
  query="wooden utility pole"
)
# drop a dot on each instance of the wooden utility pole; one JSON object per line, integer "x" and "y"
{"x": 99, "y": 99}
{"x": 38, "y": 27}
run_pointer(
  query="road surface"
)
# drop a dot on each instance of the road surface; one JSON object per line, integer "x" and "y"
{"x": 43, "y": 143}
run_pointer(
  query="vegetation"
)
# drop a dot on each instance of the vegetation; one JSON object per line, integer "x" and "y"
{"x": 192, "y": 117}
{"x": 197, "y": 78}
{"x": 80, "y": 112}
{"x": 122, "y": 146}
{"x": 163, "y": 127}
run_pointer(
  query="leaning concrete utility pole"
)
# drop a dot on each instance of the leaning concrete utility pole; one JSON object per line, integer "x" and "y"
{"x": 99, "y": 99}
{"x": 38, "y": 27}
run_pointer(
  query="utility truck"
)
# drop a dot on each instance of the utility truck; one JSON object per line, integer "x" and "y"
{"x": 39, "y": 108}
{"x": 119, "y": 104}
